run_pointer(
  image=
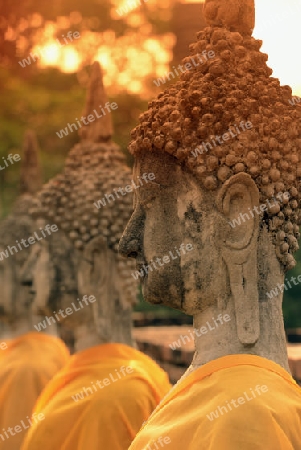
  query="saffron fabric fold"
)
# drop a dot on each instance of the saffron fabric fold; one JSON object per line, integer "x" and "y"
{"x": 27, "y": 365}
{"x": 99, "y": 400}
{"x": 232, "y": 403}
{"x": 3, "y": 346}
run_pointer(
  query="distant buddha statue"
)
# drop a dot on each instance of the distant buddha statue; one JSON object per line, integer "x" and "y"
{"x": 109, "y": 388}
{"x": 29, "y": 359}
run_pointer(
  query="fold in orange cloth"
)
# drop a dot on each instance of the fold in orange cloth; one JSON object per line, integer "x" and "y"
{"x": 3, "y": 346}
{"x": 99, "y": 400}
{"x": 26, "y": 366}
{"x": 238, "y": 402}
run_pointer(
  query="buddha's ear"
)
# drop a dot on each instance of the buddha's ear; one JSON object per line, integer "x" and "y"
{"x": 238, "y": 201}
{"x": 92, "y": 269}
{"x": 96, "y": 245}
{"x": 97, "y": 277}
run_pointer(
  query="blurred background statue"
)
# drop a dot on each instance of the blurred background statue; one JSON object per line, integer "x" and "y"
{"x": 15, "y": 302}
{"x": 30, "y": 359}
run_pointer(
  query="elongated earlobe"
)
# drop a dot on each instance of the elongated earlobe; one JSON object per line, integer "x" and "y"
{"x": 236, "y": 199}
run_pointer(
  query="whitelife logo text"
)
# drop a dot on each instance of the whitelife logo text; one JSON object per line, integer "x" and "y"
{"x": 86, "y": 120}
{"x": 31, "y": 240}
{"x": 64, "y": 313}
{"x": 101, "y": 384}
{"x": 129, "y": 188}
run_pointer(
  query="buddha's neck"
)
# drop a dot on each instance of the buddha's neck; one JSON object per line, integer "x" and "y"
{"x": 88, "y": 335}
{"x": 5, "y": 330}
{"x": 219, "y": 337}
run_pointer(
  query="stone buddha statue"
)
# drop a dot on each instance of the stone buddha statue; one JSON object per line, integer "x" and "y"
{"x": 83, "y": 201}
{"x": 16, "y": 298}
{"x": 30, "y": 358}
{"x": 89, "y": 203}
{"x": 224, "y": 141}
{"x": 50, "y": 273}
{"x": 224, "y": 145}
{"x": 18, "y": 258}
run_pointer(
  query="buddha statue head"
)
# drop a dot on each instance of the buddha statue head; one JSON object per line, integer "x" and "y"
{"x": 50, "y": 270}
{"x": 224, "y": 145}
{"x": 83, "y": 201}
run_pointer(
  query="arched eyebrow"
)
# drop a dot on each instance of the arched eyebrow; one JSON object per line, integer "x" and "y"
{"x": 146, "y": 192}
{"x": 154, "y": 184}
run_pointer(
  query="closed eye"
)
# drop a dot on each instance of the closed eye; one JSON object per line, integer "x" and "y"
{"x": 147, "y": 203}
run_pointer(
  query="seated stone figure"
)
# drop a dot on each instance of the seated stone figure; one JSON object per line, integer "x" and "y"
{"x": 224, "y": 146}
{"x": 17, "y": 293}
{"x": 29, "y": 359}
{"x": 102, "y": 397}
{"x": 50, "y": 271}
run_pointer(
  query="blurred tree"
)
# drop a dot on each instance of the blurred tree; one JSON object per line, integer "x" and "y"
{"x": 45, "y": 99}
{"x": 46, "y": 103}
{"x": 19, "y": 22}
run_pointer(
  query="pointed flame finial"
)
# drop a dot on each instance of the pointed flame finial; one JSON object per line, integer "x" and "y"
{"x": 235, "y": 15}
{"x": 99, "y": 129}
{"x": 30, "y": 176}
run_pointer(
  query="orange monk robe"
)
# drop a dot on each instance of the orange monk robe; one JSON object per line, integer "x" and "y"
{"x": 3, "y": 346}
{"x": 27, "y": 365}
{"x": 237, "y": 402}
{"x": 98, "y": 401}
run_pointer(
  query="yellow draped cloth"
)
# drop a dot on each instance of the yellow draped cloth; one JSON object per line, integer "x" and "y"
{"x": 3, "y": 346}
{"x": 26, "y": 366}
{"x": 98, "y": 401}
{"x": 237, "y": 402}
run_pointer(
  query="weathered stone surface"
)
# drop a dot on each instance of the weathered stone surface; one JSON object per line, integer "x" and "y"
{"x": 94, "y": 171}
{"x": 23, "y": 281}
{"x": 157, "y": 343}
{"x": 236, "y": 15}
{"x": 50, "y": 270}
{"x": 238, "y": 174}
{"x": 218, "y": 98}
{"x": 99, "y": 130}
{"x": 31, "y": 173}
{"x": 15, "y": 298}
